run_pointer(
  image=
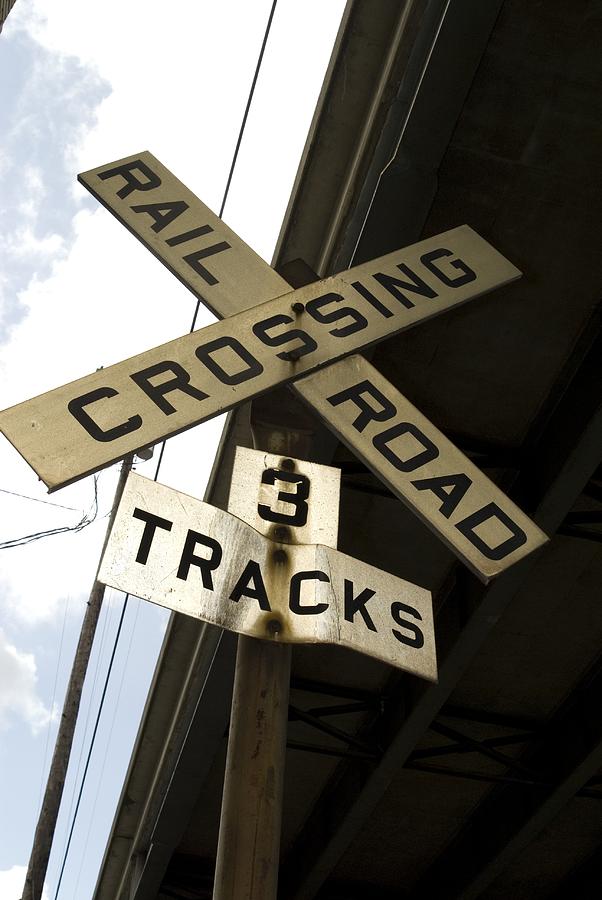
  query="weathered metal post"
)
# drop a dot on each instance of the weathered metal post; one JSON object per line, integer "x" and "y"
{"x": 249, "y": 840}
{"x": 248, "y": 851}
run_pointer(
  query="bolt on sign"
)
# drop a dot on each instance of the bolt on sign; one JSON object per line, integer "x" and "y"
{"x": 188, "y": 556}
{"x": 281, "y": 336}
{"x": 295, "y": 502}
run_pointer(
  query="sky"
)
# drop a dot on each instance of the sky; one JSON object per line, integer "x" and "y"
{"x": 81, "y": 85}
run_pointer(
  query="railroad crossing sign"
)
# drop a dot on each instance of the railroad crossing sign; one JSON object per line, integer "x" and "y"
{"x": 81, "y": 427}
{"x": 191, "y": 557}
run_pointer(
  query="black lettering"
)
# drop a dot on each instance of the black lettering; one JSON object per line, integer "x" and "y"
{"x": 374, "y": 301}
{"x": 151, "y": 523}
{"x": 193, "y": 260}
{"x": 295, "y": 594}
{"x": 179, "y": 382}
{"x": 314, "y": 307}
{"x": 253, "y": 365}
{"x": 394, "y": 285}
{"x": 368, "y": 413}
{"x": 242, "y": 588}
{"x": 490, "y": 511}
{"x": 308, "y": 344}
{"x": 162, "y": 214}
{"x": 467, "y": 274}
{"x": 448, "y": 488}
{"x": 76, "y": 408}
{"x": 188, "y": 558}
{"x": 132, "y": 182}
{"x": 296, "y": 499}
{"x": 418, "y": 637}
{"x": 381, "y": 442}
{"x": 358, "y": 604}
{"x": 188, "y": 235}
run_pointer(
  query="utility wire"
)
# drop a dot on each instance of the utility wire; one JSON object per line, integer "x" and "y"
{"x": 37, "y": 500}
{"x": 241, "y": 130}
{"x": 86, "y": 520}
{"x": 106, "y": 753}
{"x": 107, "y": 610}
{"x": 161, "y": 452}
{"x": 248, "y": 107}
{"x": 89, "y": 756}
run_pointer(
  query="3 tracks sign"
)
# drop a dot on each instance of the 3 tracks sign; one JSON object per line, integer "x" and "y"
{"x": 186, "y": 555}
{"x": 281, "y": 336}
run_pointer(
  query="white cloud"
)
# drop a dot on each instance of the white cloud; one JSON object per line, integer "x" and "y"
{"x": 24, "y": 243}
{"x": 12, "y": 881}
{"x": 107, "y": 300}
{"x": 18, "y": 688}
{"x": 173, "y": 89}
{"x": 34, "y": 190}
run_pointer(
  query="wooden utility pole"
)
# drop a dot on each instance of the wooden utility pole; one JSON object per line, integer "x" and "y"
{"x": 42, "y": 842}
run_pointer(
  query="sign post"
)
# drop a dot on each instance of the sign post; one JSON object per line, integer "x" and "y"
{"x": 248, "y": 850}
{"x": 282, "y": 506}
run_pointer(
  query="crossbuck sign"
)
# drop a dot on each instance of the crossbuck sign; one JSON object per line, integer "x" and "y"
{"x": 281, "y": 336}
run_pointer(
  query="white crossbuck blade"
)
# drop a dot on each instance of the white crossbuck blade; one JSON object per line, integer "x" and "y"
{"x": 90, "y": 423}
{"x": 191, "y": 557}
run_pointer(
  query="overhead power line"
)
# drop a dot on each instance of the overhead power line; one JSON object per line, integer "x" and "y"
{"x": 247, "y": 107}
{"x": 37, "y": 500}
{"x": 85, "y": 520}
